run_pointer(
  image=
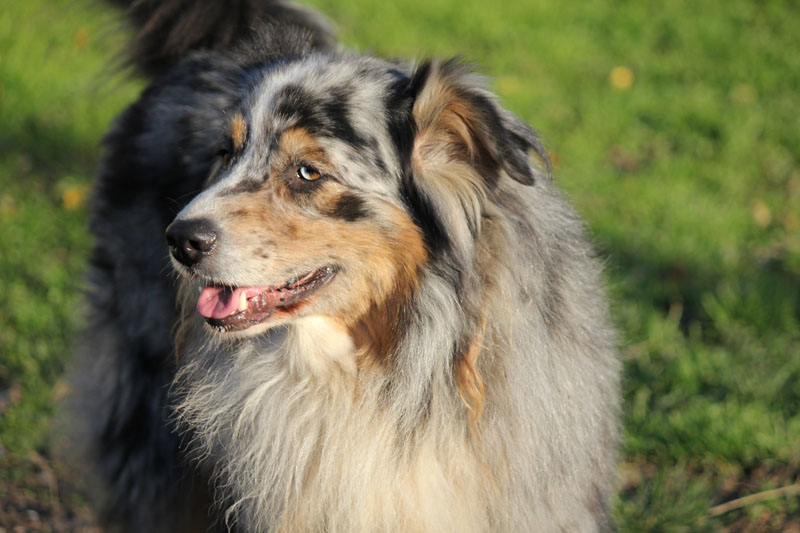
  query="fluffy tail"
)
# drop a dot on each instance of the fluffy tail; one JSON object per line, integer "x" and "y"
{"x": 167, "y": 30}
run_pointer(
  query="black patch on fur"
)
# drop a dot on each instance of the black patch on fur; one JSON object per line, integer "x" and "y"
{"x": 320, "y": 116}
{"x": 504, "y": 150}
{"x": 378, "y": 162}
{"x": 425, "y": 217}
{"x": 418, "y": 79}
{"x": 168, "y": 31}
{"x": 335, "y": 110}
{"x": 399, "y": 103}
{"x": 489, "y": 135}
{"x": 349, "y": 207}
{"x": 293, "y": 102}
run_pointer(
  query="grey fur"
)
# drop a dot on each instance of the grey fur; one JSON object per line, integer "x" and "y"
{"x": 287, "y": 424}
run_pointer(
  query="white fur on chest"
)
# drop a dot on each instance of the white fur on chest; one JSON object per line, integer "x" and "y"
{"x": 307, "y": 443}
{"x": 321, "y": 348}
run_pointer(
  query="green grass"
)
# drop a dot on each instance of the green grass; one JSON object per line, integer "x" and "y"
{"x": 689, "y": 180}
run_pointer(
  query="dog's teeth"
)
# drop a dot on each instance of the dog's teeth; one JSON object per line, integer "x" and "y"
{"x": 243, "y": 301}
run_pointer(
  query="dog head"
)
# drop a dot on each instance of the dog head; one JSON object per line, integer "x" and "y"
{"x": 340, "y": 181}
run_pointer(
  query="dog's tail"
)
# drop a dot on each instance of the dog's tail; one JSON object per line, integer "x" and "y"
{"x": 167, "y": 30}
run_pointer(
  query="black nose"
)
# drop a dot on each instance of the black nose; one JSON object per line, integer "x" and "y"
{"x": 191, "y": 240}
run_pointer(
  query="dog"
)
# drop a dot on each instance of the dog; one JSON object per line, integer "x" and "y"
{"x": 333, "y": 292}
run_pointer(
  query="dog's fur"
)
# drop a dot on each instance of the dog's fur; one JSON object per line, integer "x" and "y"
{"x": 456, "y": 371}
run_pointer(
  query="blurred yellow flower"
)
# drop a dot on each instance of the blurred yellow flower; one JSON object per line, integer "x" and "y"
{"x": 761, "y": 214}
{"x": 81, "y": 38}
{"x": 743, "y": 94}
{"x": 8, "y": 207}
{"x": 621, "y": 78}
{"x": 509, "y": 85}
{"x": 74, "y": 196}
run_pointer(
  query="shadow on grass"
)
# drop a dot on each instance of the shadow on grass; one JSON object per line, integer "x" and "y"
{"x": 47, "y": 151}
{"x": 768, "y": 294}
{"x": 751, "y": 314}
{"x": 710, "y": 389}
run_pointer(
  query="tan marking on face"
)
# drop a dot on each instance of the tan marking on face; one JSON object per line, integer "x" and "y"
{"x": 292, "y": 231}
{"x": 282, "y": 234}
{"x": 390, "y": 276}
{"x": 238, "y": 132}
{"x": 297, "y": 144}
{"x": 379, "y": 262}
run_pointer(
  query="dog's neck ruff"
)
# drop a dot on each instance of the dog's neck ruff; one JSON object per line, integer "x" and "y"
{"x": 351, "y": 442}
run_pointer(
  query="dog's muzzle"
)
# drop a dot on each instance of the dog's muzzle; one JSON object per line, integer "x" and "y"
{"x": 191, "y": 240}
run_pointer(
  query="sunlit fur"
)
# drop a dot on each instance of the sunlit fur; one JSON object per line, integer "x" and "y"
{"x": 458, "y": 373}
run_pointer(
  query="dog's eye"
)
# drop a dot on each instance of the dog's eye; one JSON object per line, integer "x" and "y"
{"x": 308, "y": 173}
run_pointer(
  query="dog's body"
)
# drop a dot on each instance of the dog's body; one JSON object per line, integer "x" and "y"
{"x": 400, "y": 326}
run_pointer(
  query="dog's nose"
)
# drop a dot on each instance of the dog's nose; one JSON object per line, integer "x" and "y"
{"x": 191, "y": 240}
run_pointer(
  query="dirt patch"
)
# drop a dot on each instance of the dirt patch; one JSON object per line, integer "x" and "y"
{"x": 37, "y": 494}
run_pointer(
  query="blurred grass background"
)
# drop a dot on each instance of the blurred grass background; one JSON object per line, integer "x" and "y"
{"x": 674, "y": 129}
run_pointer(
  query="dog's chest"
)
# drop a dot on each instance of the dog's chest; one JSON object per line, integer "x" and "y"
{"x": 314, "y": 447}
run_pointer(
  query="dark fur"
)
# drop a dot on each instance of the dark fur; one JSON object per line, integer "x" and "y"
{"x": 157, "y": 157}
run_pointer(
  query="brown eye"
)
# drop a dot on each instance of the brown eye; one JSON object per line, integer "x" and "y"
{"x": 308, "y": 173}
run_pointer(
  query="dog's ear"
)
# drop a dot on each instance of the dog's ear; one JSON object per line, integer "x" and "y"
{"x": 459, "y": 122}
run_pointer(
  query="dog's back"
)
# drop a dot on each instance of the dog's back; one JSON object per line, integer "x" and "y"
{"x": 503, "y": 313}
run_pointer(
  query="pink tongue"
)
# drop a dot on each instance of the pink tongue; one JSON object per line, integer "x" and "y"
{"x": 219, "y": 302}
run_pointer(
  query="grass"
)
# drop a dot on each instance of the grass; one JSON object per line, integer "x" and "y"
{"x": 674, "y": 130}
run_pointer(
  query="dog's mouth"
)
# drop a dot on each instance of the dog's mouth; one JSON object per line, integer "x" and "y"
{"x": 227, "y": 308}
